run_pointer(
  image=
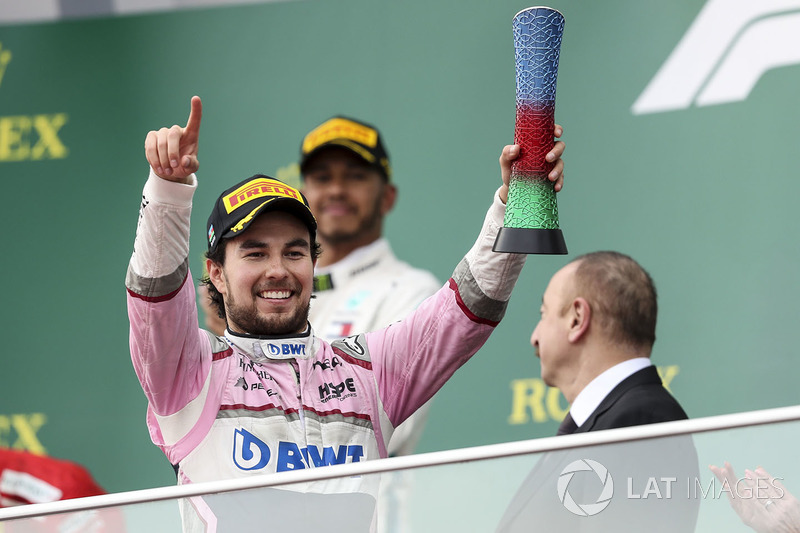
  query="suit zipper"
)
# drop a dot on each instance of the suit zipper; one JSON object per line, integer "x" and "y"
{"x": 300, "y": 412}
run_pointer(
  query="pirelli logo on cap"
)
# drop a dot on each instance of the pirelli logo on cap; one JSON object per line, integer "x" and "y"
{"x": 259, "y": 188}
{"x": 340, "y": 128}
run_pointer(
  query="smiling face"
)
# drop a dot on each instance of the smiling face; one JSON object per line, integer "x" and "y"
{"x": 267, "y": 277}
{"x": 348, "y": 197}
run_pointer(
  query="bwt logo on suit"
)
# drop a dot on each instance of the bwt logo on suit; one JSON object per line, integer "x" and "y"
{"x": 652, "y": 488}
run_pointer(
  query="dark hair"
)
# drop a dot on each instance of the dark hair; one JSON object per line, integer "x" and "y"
{"x": 218, "y": 257}
{"x": 622, "y": 296}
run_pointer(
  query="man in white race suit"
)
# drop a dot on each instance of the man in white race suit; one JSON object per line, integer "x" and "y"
{"x": 360, "y": 285}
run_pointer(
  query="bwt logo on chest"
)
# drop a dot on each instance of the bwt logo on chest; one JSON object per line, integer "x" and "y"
{"x": 286, "y": 349}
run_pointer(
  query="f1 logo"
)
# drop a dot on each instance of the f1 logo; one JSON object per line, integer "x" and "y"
{"x": 726, "y": 50}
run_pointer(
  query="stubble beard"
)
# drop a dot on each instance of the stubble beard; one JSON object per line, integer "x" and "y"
{"x": 366, "y": 225}
{"x": 248, "y": 318}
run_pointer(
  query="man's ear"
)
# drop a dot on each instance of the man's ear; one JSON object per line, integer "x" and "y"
{"x": 580, "y": 315}
{"x": 389, "y": 198}
{"x": 216, "y": 276}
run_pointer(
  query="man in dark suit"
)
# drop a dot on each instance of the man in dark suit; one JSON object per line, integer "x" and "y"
{"x": 594, "y": 339}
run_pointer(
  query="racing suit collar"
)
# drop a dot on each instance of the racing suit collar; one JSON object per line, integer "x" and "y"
{"x": 277, "y": 347}
{"x": 357, "y": 261}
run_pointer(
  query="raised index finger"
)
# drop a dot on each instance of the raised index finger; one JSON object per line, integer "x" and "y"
{"x": 192, "y": 128}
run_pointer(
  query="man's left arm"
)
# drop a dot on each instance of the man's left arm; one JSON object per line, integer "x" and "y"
{"x": 419, "y": 354}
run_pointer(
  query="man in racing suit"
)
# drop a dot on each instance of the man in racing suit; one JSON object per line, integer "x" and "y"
{"x": 271, "y": 396}
{"x": 360, "y": 285}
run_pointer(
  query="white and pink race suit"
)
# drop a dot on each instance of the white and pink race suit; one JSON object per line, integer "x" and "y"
{"x": 236, "y": 406}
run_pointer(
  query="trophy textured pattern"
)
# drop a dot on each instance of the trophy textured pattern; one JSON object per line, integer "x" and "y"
{"x": 537, "y": 47}
{"x": 541, "y": 209}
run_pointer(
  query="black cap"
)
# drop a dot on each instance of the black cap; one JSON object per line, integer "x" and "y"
{"x": 361, "y": 138}
{"x": 238, "y": 206}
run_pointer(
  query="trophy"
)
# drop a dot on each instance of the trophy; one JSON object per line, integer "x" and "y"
{"x": 531, "y": 221}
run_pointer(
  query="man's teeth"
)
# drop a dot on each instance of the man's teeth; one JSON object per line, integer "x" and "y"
{"x": 281, "y": 295}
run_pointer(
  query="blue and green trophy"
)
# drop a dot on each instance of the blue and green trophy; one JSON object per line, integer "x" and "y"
{"x": 531, "y": 221}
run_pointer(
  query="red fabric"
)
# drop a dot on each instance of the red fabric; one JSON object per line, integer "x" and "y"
{"x": 71, "y": 479}
{"x": 29, "y": 478}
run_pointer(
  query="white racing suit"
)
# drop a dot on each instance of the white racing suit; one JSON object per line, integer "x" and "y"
{"x": 233, "y": 406}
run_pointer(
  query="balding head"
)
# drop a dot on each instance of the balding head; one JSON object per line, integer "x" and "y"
{"x": 622, "y": 297}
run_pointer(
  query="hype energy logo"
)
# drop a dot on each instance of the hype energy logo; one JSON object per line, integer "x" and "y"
{"x": 727, "y": 49}
{"x": 251, "y": 453}
{"x": 585, "y": 509}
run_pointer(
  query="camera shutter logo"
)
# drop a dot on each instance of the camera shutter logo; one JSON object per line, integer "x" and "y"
{"x": 585, "y": 509}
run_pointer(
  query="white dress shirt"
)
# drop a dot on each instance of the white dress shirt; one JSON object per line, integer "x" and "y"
{"x": 595, "y": 392}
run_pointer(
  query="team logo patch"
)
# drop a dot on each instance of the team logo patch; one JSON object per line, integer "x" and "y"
{"x": 331, "y": 391}
{"x": 354, "y": 345}
{"x": 327, "y": 364}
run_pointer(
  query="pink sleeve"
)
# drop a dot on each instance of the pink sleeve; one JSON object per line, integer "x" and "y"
{"x": 171, "y": 356}
{"x": 413, "y": 358}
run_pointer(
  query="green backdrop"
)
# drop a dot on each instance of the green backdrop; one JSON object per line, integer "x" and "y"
{"x": 704, "y": 196}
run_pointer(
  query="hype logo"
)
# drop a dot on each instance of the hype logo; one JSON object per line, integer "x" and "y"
{"x": 726, "y": 50}
{"x": 249, "y": 452}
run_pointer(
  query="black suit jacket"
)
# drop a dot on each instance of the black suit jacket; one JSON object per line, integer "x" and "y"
{"x": 644, "y": 497}
{"x": 639, "y": 399}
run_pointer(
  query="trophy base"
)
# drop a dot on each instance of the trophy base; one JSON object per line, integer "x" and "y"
{"x": 530, "y": 241}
